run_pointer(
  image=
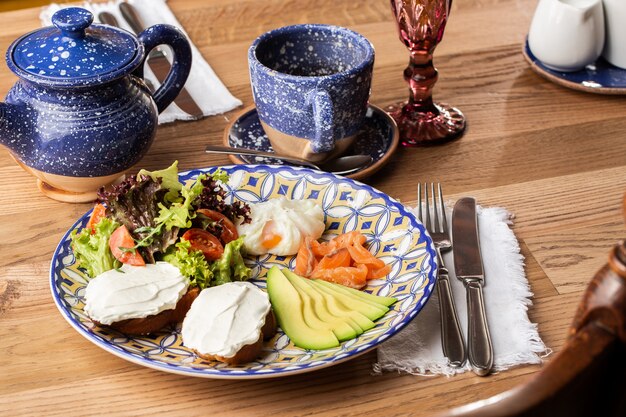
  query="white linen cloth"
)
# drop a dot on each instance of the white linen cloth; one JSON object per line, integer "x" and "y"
{"x": 417, "y": 348}
{"x": 203, "y": 84}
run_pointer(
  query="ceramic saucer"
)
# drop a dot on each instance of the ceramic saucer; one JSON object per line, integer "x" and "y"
{"x": 378, "y": 137}
{"x": 599, "y": 77}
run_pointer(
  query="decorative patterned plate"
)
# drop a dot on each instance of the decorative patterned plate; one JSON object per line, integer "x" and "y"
{"x": 599, "y": 77}
{"x": 394, "y": 235}
{"x": 379, "y": 137}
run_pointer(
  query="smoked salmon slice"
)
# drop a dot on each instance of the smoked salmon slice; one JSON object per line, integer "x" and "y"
{"x": 343, "y": 260}
{"x": 335, "y": 259}
{"x": 361, "y": 255}
{"x": 353, "y": 277}
{"x": 305, "y": 259}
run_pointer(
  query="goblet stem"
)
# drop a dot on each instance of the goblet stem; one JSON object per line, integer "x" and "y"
{"x": 421, "y": 76}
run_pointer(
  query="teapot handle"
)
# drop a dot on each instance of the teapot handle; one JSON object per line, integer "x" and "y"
{"x": 181, "y": 64}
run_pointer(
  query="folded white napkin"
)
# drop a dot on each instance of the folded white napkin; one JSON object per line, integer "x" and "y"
{"x": 417, "y": 348}
{"x": 203, "y": 84}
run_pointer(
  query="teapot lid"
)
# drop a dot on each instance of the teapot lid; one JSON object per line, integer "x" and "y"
{"x": 74, "y": 52}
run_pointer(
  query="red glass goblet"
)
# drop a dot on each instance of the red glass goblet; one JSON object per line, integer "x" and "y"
{"x": 421, "y": 121}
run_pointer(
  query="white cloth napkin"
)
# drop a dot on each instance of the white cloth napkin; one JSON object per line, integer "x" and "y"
{"x": 203, "y": 84}
{"x": 417, "y": 348}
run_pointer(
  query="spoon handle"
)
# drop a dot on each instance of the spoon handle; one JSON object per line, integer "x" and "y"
{"x": 253, "y": 152}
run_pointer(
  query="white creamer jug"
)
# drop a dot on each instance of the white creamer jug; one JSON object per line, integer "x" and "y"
{"x": 615, "y": 21}
{"x": 567, "y": 35}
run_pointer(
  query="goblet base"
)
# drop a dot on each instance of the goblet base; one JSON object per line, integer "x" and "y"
{"x": 422, "y": 128}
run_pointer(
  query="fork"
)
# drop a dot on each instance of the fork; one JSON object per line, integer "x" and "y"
{"x": 451, "y": 337}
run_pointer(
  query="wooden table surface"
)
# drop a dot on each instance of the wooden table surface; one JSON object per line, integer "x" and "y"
{"x": 553, "y": 156}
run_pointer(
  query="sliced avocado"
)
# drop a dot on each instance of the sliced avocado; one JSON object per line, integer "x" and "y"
{"x": 288, "y": 306}
{"x": 380, "y": 300}
{"x": 316, "y": 310}
{"x": 336, "y": 308}
{"x": 371, "y": 310}
{"x": 354, "y": 319}
{"x": 320, "y": 299}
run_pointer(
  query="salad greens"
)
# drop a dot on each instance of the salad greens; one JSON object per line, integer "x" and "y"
{"x": 134, "y": 204}
{"x": 231, "y": 260}
{"x": 169, "y": 179}
{"x": 157, "y": 209}
{"x": 92, "y": 249}
{"x": 192, "y": 264}
{"x": 180, "y": 212}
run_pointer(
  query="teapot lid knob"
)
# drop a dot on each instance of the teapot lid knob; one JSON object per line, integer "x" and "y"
{"x": 72, "y": 21}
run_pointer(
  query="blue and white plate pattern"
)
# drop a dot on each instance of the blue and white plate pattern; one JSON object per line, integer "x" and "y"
{"x": 599, "y": 77}
{"x": 393, "y": 234}
{"x": 378, "y": 138}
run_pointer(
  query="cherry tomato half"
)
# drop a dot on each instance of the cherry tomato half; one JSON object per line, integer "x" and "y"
{"x": 204, "y": 241}
{"x": 96, "y": 215}
{"x": 229, "y": 231}
{"x": 121, "y": 239}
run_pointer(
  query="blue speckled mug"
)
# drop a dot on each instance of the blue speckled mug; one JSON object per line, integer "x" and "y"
{"x": 311, "y": 86}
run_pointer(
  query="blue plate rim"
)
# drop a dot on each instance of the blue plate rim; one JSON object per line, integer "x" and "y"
{"x": 239, "y": 374}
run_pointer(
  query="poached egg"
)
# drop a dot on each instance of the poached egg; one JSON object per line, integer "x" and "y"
{"x": 279, "y": 225}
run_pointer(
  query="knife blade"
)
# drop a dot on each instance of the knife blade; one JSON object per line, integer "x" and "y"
{"x": 158, "y": 62}
{"x": 468, "y": 266}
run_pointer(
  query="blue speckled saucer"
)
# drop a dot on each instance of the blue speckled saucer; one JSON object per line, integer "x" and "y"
{"x": 599, "y": 77}
{"x": 378, "y": 137}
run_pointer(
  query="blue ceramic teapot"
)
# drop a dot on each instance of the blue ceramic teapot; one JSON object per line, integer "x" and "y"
{"x": 80, "y": 114}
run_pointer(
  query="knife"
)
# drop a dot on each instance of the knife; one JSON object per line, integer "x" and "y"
{"x": 469, "y": 269}
{"x": 158, "y": 63}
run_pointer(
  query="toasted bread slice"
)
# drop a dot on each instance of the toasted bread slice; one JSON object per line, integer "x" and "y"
{"x": 155, "y": 322}
{"x": 248, "y": 352}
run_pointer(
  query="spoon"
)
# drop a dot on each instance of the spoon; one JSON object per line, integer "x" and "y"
{"x": 341, "y": 165}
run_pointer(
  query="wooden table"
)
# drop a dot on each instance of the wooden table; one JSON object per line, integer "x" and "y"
{"x": 554, "y": 157}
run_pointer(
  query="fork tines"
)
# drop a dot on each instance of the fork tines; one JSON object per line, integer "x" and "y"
{"x": 438, "y": 209}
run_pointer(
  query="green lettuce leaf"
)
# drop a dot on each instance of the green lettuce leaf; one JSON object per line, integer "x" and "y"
{"x": 92, "y": 251}
{"x": 191, "y": 264}
{"x": 169, "y": 180}
{"x": 230, "y": 267}
{"x": 179, "y": 214}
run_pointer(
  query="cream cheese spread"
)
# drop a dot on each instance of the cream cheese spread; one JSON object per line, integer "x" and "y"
{"x": 225, "y": 318}
{"x": 134, "y": 292}
{"x": 290, "y": 220}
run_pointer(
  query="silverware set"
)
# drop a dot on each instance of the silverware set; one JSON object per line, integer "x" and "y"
{"x": 468, "y": 268}
{"x": 157, "y": 60}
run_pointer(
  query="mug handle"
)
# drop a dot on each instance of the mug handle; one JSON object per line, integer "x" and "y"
{"x": 324, "y": 118}
{"x": 181, "y": 65}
